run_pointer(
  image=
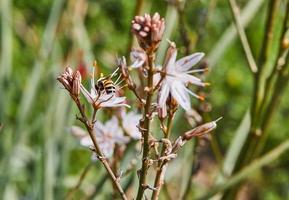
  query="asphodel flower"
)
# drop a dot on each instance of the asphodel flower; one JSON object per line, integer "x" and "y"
{"x": 130, "y": 121}
{"x": 101, "y": 99}
{"x": 107, "y": 135}
{"x": 178, "y": 75}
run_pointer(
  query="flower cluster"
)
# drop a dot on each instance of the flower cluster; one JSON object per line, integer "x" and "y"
{"x": 148, "y": 30}
{"x": 161, "y": 90}
{"x": 71, "y": 81}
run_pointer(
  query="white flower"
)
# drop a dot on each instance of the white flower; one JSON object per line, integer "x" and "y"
{"x": 129, "y": 122}
{"x": 178, "y": 75}
{"x": 107, "y": 135}
{"x": 99, "y": 100}
{"x": 138, "y": 58}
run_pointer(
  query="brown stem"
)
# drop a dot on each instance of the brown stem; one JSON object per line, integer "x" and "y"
{"x": 162, "y": 166}
{"x": 101, "y": 157}
{"x": 146, "y": 126}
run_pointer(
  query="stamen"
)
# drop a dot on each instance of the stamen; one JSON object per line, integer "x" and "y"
{"x": 202, "y": 98}
{"x": 197, "y": 70}
{"x": 122, "y": 87}
{"x": 207, "y": 84}
{"x": 101, "y": 75}
{"x": 112, "y": 75}
{"x": 218, "y": 119}
{"x": 116, "y": 82}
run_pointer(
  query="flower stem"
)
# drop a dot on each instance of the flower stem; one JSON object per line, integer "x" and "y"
{"x": 162, "y": 166}
{"x": 146, "y": 126}
{"x": 89, "y": 127}
{"x": 243, "y": 37}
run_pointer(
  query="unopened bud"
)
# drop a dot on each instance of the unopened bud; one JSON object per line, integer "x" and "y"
{"x": 148, "y": 30}
{"x": 76, "y": 82}
{"x": 201, "y": 130}
{"x": 69, "y": 71}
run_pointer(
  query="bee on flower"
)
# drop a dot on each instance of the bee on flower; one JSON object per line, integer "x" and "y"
{"x": 104, "y": 93}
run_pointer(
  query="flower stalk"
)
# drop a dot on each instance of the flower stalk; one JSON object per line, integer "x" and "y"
{"x": 162, "y": 165}
{"x": 146, "y": 126}
{"x": 101, "y": 157}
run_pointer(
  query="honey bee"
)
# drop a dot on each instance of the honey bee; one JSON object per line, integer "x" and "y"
{"x": 106, "y": 85}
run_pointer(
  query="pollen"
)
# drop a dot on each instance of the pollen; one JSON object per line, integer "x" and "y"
{"x": 202, "y": 98}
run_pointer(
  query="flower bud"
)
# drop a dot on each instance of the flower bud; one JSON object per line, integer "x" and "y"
{"x": 201, "y": 130}
{"x": 76, "y": 82}
{"x": 148, "y": 30}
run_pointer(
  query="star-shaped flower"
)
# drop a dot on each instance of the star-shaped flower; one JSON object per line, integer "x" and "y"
{"x": 101, "y": 99}
{"x": 106, "y": 135}
{"x": 178, "y": 76}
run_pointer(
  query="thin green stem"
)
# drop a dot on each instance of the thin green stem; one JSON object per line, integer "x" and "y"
{"x": 243, "y": 37}
{"x": 247, "y": 171}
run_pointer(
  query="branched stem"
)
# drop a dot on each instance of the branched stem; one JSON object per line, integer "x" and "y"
{"x": 146, "y": 126}
{"x": 100, "y": 155}
{"x": 162, "y": 165}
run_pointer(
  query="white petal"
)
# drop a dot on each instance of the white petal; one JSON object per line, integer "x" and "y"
{"x": 77, "y": 132}
{"x": 86, "y": 141}
{"x": 137, "y": 63}
{"x": 187, "y": 78}
{"x": 164, "y": 93}
{"x": 188, "y": 62}
{"x": 99, "y": 129}
{"x": 130, "y": 122}
{"x": 86, "y": 94}
{"x": 107, "y": 149}
{"x": 92, "y": 84}
{"x": 180, "y": 94}
{"x": 171, "y": 63}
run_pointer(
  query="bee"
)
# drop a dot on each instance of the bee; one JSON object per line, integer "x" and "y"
{"x": 106, "y": 85}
